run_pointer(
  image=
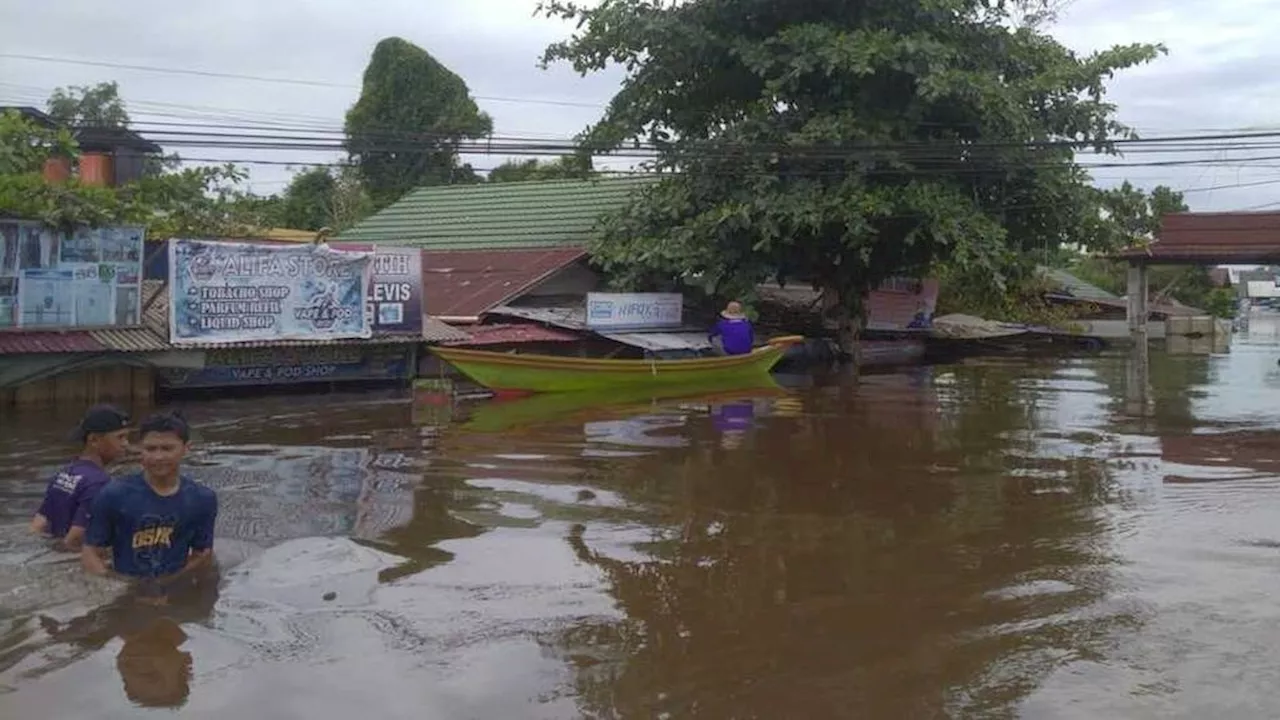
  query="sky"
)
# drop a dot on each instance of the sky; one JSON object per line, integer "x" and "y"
{"x": 1219, "y": 74}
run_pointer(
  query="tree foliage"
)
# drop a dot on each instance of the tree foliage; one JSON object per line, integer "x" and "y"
{"x": 85, "y": 106}
{"x": 1133, "y": 216}
{"x": 199, "y": 201}
{"x": 568, "y": 167}
{"x": 404, "y": 130}
{"x": 840, "y": 144}
{"x": 305, "y": 205}
{"x": 324, "y": 198}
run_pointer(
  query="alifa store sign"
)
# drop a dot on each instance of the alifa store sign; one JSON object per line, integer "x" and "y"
{"x": 224, "y": 292}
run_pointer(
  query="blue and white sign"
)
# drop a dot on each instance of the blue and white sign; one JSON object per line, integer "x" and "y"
{"x": 224, "y": 292}
{"x": 634, "y": 311}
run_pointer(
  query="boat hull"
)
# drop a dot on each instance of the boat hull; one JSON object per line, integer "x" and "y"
{"x": 503, "y": 372}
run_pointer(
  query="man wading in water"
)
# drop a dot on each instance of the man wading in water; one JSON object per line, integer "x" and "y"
{"x": 103, "y": 434}
{"x": 157, "y": 524}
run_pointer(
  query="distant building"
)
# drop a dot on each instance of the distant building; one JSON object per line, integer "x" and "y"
{"x": 109, "y": 157}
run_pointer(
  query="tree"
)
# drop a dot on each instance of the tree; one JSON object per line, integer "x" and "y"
{"x": 192, "y": 202}
{"x": 307, "y": 201}
{"x": 405, "y": 129}
{"x": 1133, "y": 216}
{"x": 84, "y": 106}
{"x": 569, "y": 167}
{"x": 840, "y": 144}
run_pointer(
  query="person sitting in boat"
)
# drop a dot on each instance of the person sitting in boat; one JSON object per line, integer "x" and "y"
{"x": 734, "y": 330}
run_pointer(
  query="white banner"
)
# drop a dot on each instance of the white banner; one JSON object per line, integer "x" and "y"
{"x": 634, "y": 311}
{"x": 224, "y": 292}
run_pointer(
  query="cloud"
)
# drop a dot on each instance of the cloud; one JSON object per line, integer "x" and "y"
{"x": 1218, "y": 73}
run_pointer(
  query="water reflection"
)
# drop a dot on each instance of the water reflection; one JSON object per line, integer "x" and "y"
{"x": 847, "y": 562}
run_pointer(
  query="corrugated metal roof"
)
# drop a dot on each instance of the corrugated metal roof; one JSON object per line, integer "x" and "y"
{"x": 500, "y": 334}
{"x": 492, "y": 216}
{"x": 134, "y": 339}
{"x": 434, "y": 330}
{"x": 661, "y": 341}
{"x": 1214, "y": 239}
{"x": 468, "y": 283}
{"x": 1072, "y": 285}
{"x": 569, "y": 318}
{"x": 40, "y": 342}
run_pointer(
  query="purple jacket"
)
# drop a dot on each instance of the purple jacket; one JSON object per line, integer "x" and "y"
{"x": 736, "y": 335}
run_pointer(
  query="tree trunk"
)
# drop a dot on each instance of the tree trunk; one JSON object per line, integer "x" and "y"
{"x": 847, "y": 318}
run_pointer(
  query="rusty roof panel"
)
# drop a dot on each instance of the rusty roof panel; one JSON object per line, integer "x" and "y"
{"x": 468, "y": 283}
{"x": 1214, "y": 239}
{"x": 42, "y": 342}
{"x": 500, "y": 334}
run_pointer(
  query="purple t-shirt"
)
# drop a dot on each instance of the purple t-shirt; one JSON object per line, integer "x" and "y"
{"x": 736, "y": 335}
{"x": 70, "y": 495}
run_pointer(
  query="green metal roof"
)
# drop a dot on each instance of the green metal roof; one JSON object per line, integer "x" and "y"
{"x": 1075, "y": 286}
{"x": 498, "y": 216}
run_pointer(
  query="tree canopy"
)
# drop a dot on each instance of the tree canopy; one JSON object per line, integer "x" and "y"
{"x": 85, "y": 106}
{"x": 568, "y": 167}
{"x": 404, "y": 130}
{"x": 840, "y": 144}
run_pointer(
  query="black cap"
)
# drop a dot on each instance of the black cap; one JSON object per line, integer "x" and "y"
{"x": 100, "y": 419}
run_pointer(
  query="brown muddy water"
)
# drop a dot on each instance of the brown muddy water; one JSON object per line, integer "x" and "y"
{"x": 1000, "y": 538}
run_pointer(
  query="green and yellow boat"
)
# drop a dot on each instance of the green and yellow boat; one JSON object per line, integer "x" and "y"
{"x": 513, "y": 373}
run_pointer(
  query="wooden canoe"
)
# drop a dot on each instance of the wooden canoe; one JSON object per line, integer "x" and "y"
{"x": 513, "y": 373}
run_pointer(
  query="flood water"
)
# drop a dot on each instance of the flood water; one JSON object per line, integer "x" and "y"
{"x": 1005, "y": 537}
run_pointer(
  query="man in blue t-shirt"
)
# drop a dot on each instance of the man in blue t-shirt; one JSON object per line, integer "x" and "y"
{"x": 157, "y": 524}
{"x": 103, "y": 434}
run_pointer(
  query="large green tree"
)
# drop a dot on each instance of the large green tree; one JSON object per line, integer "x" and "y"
{"x": 405, "y": 129}
{"x": 840, "y": 143}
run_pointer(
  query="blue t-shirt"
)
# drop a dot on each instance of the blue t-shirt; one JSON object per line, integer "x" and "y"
{"x": 736, "y": 335}
{"x": 151, "y": 535}
{"x": 70, "y": 494}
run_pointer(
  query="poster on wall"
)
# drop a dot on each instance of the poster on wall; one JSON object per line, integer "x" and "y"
{"x": 51, "y": 279}
{"x": 222, "y": 292}
{"x": 395, "y": 288}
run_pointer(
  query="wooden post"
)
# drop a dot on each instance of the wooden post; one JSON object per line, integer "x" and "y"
{"x": 1137, "y": 298}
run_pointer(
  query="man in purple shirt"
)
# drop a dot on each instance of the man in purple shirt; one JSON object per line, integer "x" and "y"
{"x": 103, "y": 435}
{"x": 734, "y": 330}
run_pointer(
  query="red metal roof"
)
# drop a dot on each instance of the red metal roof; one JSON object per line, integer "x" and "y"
{"x": 466, "y": 283}
{"x": 501, "y": 334}
{"x": 1214, "y": 239}
{"x": 48, "y": 341}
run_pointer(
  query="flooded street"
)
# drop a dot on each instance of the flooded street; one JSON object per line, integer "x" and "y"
{"x": 1005, "y": 537}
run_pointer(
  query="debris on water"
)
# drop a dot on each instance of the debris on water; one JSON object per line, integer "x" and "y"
{"x": 586, "y": 496}
{"x": 331, "y": 595}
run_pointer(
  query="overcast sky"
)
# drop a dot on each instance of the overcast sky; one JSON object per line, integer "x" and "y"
{"x": 1221, "y": 71}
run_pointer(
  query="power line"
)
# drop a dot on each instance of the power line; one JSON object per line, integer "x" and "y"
{"x": 264, "y": 79}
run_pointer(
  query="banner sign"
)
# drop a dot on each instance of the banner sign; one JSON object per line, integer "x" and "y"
{"x": 51, "y": 279}
{"x": 395, "y": 289}
{"x": 634, "y": 311}
{"x": 231, "y": 367}
{"x": 223, "y": 292}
